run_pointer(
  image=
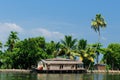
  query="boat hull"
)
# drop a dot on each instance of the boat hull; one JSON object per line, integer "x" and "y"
{"x": 60, "y": 71}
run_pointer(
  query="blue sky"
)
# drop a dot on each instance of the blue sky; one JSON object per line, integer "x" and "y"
{"x": 55, "y": 18}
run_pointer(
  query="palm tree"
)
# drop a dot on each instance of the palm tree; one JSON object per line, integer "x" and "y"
{"x": 12, "y": 39}
{"x": 86, "y": 53}
{"x": 52, "y": 48}
{"x": 0, "y": 45}
{"x": 68, "y": 42}
{"x": 69, "y": 45}
{"x": 96, "y": 24}
{"x": 82, "y": 44}
{"x": 98, "y": 49}
{"x": 81, "y": 47}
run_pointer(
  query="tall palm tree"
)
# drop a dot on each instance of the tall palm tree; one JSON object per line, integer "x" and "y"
{"x": 12, "y": 39}
{"x": 96, "y": 24}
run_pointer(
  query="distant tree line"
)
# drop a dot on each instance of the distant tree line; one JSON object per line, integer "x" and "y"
{"x": 23, "y": 54}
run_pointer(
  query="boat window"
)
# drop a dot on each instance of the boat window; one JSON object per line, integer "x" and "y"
{"x": 72, "y": 66}
{"x": 61, "y": 66}
{"x": 79, "y": 65}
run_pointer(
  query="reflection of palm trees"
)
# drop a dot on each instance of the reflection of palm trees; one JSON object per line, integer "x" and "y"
{"x": 96, "y": 24}
{"x": 101, "y": 76}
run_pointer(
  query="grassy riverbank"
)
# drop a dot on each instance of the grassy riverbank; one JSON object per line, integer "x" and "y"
{"x": 15, "y": 70}
{"x": 103, "y": 71}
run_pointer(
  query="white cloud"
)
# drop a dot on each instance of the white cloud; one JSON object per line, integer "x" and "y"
{"x": 51, "y": 35}
{"x": 5, "y": 29}
{"x": 44, "y": 32}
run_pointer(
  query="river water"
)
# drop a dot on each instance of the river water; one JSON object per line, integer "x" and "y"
{"x": 33, "y": 76}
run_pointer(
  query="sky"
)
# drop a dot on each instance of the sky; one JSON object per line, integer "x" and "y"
{"x": 54, "y": 19}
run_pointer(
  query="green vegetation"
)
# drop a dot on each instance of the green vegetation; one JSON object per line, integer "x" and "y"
{"x": 24, "y": 54}
{"x": 112, "y": 56}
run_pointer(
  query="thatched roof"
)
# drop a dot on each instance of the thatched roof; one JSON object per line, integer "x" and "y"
{"x": 61, "y": 61}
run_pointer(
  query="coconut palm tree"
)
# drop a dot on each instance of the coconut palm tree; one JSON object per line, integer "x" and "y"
{"x": 82, "y": 44}
{"x": 86, "y": 53}
{"x": 96, "y": 24}
{"x": 68, "y": 42}
{"x": 12, "y": 39}
{"x": 81, "y": 47}
{"x": 69, "y": 45}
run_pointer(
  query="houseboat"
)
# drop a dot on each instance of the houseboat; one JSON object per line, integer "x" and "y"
{"x": 60, "y": 65}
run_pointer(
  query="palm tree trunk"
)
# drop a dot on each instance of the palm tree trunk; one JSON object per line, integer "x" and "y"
{"x": 97, "y": 53}
{"x": 98, "y": 36}
{"x": 97, "y": 46}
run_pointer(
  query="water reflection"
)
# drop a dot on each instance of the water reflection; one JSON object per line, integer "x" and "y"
{"x": 29, "y": 76}
{"x": 17, "y": 76}
{"x": 65, "y": 77}
{"x": 100, "y": 76}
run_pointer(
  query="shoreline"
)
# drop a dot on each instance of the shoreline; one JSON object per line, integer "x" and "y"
{"x": 29, "y": 71}
{"x": 103, "y": 71}
{"x": 15, "y": 70}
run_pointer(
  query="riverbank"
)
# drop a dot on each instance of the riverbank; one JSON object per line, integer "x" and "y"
{"x": 88, "y": 71}
{"x": 103, "y": 71}
{"x": 15, "y": 70}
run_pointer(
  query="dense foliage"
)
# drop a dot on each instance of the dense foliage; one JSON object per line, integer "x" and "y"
{"x": 112, "y": 56}
{"x": 25, "y": 54}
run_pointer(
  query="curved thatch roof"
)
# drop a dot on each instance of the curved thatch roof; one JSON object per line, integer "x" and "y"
{"x": 61, "y": 61}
